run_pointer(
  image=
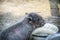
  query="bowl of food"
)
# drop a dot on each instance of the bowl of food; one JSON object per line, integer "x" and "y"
{"x": 42, "y": 32}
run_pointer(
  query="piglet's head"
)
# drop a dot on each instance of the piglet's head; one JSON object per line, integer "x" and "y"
{"x": 35, "y": 20}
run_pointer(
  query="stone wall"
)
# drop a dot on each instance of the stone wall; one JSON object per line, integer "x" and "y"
{"x": 59, "y": 8}
{"x": 54, "y": 7}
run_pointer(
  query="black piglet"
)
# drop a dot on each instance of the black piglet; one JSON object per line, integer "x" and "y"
{"x": 23, "y": 29}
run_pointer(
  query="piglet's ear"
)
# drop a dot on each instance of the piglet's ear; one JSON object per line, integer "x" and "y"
{"x": 30, "y": 18}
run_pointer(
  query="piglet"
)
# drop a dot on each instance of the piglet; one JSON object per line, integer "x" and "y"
{"x": 23, "y": 29}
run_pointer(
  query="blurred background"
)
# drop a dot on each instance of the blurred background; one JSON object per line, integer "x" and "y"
{"x": 12, "y": 10}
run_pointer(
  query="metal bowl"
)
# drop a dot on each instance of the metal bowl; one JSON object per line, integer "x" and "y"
{"x": 53, "y": 37}
{"x": 39, "y": 37}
